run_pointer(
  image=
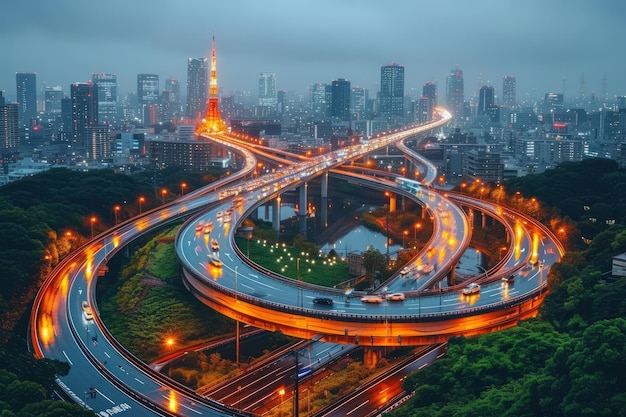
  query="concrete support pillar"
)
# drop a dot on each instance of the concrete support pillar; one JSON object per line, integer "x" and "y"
{"x": 403, "y": 204}
{"x": 483, "y": 220}
{"x": 302, "y": 202}
{"x": 372, "y": 355}
{"x": 325, "y": 184}
{"x": 423, "y": 212}
{"x": 324, "y": 207}
{"x": 276, "y": 214}
{"x": 392, "y": 203}
{"x": 267, "y": 211}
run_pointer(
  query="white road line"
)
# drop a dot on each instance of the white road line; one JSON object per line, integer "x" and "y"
{"x": 68, "y": 359}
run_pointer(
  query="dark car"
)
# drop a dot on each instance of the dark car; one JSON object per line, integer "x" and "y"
{"x": 509, "y": 278}
{"x": 323, "y": 301}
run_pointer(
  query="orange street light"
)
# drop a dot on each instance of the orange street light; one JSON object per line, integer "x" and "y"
{"x": 417, "y": 226}
{"x": 116, "y": 210}
{"x": 163, "y": 193}
{"x": 404, "y": 235}
{"x": 141, "y": 201}
{"x": 170, "y": 343}
{"x": 92, "y": 220}
{"x": 183, "y": 185}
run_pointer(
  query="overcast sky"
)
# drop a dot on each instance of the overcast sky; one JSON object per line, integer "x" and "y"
{"x": 547, "y": 44}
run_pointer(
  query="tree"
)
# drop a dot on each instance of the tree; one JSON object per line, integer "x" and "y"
{"x": 372, "y": 260}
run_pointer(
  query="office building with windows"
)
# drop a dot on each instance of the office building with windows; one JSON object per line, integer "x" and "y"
{"x": 107, "y": 97}
{"x": 197, "y": 87}
{"x": 26, "y": 87}
{"x": 392, "y": 90}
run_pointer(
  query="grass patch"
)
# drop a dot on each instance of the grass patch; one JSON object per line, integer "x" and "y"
{"x": 148, "y": 304}
{"x": 327, "y": 271}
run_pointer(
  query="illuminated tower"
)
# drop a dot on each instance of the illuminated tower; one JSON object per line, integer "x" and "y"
{"x": 213, "y": 121}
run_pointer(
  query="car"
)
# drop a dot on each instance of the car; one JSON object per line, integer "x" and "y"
{"x": 215, "y": 247}
{"x": 375, "y": 299}
{"x": 403, "y": 272}
{"x": 509, "y": 278}
{"x": 472, "y": 288}
{"x": 215, "y": 261}
{"x": 323, "y": 301}
{"x": 87, "y": 312}
{"x": 208, "y": 227}
{"x": 395, "y": 296}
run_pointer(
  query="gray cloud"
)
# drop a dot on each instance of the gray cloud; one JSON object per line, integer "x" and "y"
{"x": 310, "y": 41}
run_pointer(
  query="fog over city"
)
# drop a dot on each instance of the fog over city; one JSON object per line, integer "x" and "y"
{"x": 564, "y": 46}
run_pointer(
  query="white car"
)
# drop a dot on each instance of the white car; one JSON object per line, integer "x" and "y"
{"x": 88, "y": 313}
{"x": 472, "y": 288}
{"x": 396, "y": 296}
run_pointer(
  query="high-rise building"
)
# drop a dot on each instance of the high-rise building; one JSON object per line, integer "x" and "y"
{"x": 486, "y": 100}
{"x": 84, "y": 100}
{"x": 508, "y": 91}
{"x": 320, "y": 97}
{"x": 197, "y": 87}
{"x": 26, "y": 84}
{"x": 429, "y": 90}
{"x": 340, "y": 102}
{"x": 267, "y": 90}
{"x": 423, "y": 110}
{"x": 170, "y": 100}
{"x": 1, "y": 98}
{"x": 455, "y": 95}
{"x": 107, "y": 97}
{"x": 358, "y": 100}
{"x": 52, "y": 101}
{"x": 9, "y": 125}
{"x": 148, "y": 97}
{"x": 392, "y": 90}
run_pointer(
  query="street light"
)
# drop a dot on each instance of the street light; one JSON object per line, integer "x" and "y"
{"x": 404, "y": 235}
{"x": 417, "y": 226}
{"x": 163, "y": 193}
{"x": 116, "y": 210}
{"x": 141, "y": 201}
{"x": 92, "y": 221}
{"x": 183, "y": 185}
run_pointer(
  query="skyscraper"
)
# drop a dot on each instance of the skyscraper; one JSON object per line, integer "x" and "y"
{"x": 26, "y": 84}
{"x": 9, "y": 125}
{"x": 508, "y": 91}
{"x": 267, "y": 90}
{"x": 455, "y": 95}
{"x": 340, "y": 102}
{"x": 170, "y": 99}
{"x": 148, "y": 97}
{"x": 429, "y": 91}
{"x": 320, "y": 97}
{"x": 486, "y": 100}
{"x": 392, "y": 90}
{"x": 52, "y": 97}
{"x": 84, "y": 99}
{"x": 197, "y": 87}
{"x": 107, "y": 96}
{"x": 358, "y": 100}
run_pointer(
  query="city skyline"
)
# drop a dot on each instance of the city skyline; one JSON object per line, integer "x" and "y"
{"x": 559, "y": 46}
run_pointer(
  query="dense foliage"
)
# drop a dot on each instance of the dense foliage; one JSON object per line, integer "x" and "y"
{"x": 571, "y": 361}
{"x": 42, "y": 219}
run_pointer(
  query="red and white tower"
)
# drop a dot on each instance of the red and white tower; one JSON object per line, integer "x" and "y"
{"x": 213, "y": 121}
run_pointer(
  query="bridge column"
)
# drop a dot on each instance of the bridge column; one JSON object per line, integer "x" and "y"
{"x": 372, "y": 355}
{"x": 325, "y": 184}
{"x": 403, "y": 204}
{"x": 483, "y": 220}
{"x": 267, "y": 211}
{"x": 276, "y": 214}
{"x": 303, "y": 208}
{"x": 392, "y": 201}
{"x": 324, "y": 207}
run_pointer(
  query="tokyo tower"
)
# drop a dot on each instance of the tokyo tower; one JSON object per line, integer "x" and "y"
{"x": 213, "y": 122}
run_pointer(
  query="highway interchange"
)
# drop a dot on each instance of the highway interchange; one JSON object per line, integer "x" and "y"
{"x": 232, "y": 285}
